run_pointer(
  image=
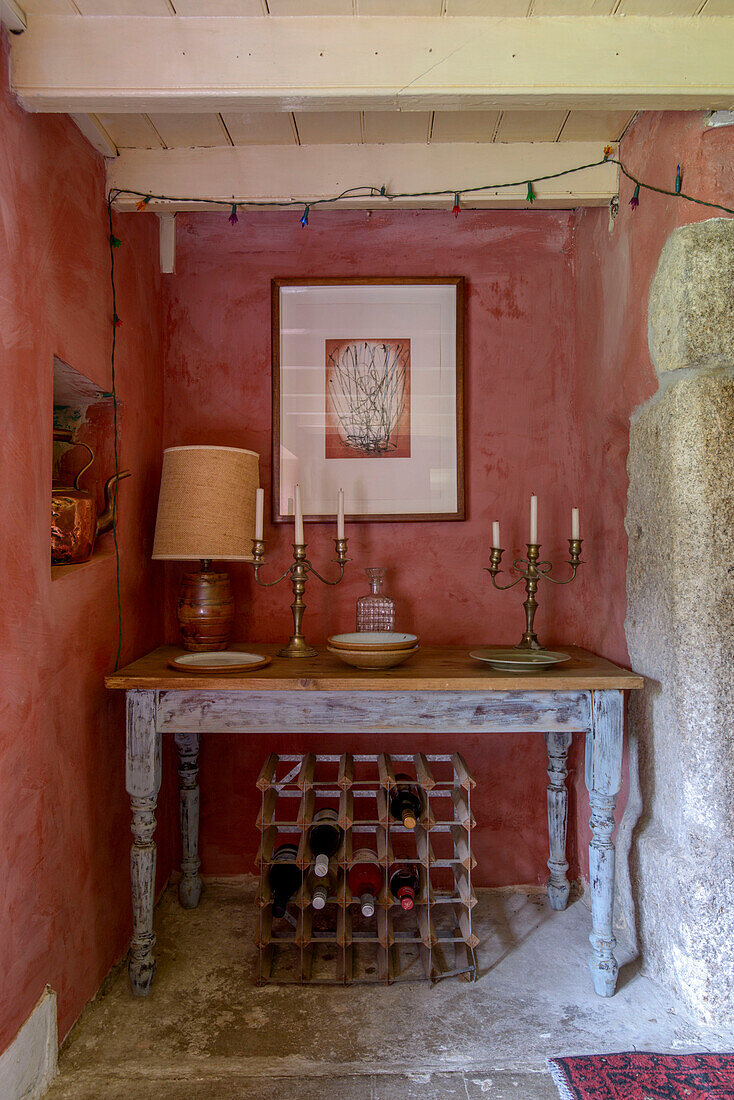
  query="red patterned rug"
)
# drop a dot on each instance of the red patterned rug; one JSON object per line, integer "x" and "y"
{"x": 642, "y": 1075}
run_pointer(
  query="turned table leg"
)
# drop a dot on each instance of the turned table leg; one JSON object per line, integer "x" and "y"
{"x": 603, "y": 780}
{"x": 557, "y": 798}
{"x": 189, "y": 890}
{"x": 143, "y": 780}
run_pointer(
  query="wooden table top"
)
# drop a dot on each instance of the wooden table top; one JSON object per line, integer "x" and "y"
{"x": 433, "y": 668}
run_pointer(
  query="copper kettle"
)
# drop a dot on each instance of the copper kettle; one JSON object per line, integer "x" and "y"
{"x": 74, "y": 520}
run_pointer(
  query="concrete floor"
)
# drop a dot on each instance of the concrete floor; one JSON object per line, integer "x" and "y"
{"x": 207, "y": 1030}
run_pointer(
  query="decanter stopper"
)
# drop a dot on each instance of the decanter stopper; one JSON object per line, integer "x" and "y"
{"x": 375, "y": 611}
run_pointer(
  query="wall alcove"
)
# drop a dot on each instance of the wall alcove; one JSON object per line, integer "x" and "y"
{"x": 85, "y": 409}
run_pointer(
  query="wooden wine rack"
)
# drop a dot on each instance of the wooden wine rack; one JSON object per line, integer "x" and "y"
{"x": 338, "y": 944}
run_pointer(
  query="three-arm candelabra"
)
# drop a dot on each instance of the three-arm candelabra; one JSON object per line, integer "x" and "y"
{"x": 531, "y": 569}
{"x": 298, "y": 572}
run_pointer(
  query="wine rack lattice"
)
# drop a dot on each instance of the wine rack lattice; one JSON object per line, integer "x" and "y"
{"x": 338, "y": 944}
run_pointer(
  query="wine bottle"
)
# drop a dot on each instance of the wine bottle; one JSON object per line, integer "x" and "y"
{"x": 406, "y": 802}
{"x": 321, "y": 888}
{"x": 365, "y": 879}
{"x": 285, "y": 877}
{"x": 324, "y": 836}
{"x": 404, "y": 885}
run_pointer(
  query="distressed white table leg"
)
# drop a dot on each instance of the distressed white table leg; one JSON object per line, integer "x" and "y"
{"x": 143, "y": 780}
{"x": 557, "y": 796}
{"x": 603, "y": 780}
{"x": 189, "y": 890}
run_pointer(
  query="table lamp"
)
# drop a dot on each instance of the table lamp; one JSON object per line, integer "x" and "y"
{"x": 206, "y": 511}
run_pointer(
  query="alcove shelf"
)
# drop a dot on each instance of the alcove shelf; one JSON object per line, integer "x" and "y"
{"x": 84, "y": 408}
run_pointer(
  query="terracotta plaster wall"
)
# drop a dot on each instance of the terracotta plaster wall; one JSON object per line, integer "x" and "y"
{"x": 615, "y": 375}
{"x": 64, "y": 817}
{"x": 521, "y": 437}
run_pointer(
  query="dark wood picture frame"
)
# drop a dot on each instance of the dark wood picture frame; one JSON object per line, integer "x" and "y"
{"x": 417, "y": 280}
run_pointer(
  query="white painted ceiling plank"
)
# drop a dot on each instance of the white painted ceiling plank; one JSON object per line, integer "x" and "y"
{"x": 218, "y": 7}
{"x": 542, "y": 8}
{"x": 501, "y": 8}
{"x": 718, "y": 7}
{"x": 123, "y": 7}
{"x": 49, "y": 7}
{"x": 193, "y": 65}
{"x": 329, "y": 127}
{"x": 257, "y": 128}
{"x": 530, "y": 125}
{"x": 658, "y": 7}
{"x": 464, "y": 125}
{"x": 306, "y": 173}
{"x": 189, "y": 131}
{"x": 396, "y": 126}
{"x": 596, "y": 125}
{"x": 130, "y": 131}
{"x": 399, "y": 7}
{"x": 312, "y": 8}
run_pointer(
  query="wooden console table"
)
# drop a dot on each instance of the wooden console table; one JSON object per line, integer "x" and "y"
{"x": 440, "y": 689}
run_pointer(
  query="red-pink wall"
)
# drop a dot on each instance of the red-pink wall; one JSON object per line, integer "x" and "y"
{"x": 64, "y": 817}
{"x": 522, "y": 436}
{"x": 614, "y": 371}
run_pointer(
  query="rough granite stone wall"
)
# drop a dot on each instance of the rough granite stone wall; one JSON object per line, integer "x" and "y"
{"x": 680, "y": 626}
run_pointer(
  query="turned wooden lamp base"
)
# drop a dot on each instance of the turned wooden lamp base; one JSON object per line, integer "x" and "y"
{"x": 205, "y": 610}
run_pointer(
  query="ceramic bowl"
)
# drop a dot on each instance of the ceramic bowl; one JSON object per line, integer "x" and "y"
{"x": 377, "y": 659}
{"x": 373, "y": 641}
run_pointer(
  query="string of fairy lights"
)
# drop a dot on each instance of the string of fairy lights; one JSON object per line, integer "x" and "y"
{"x": 365, "y": 191}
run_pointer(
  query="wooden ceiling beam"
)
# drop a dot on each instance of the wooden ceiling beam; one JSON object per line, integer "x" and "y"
{"x": 273, "y": 173}
{"x": 199, "y": 64}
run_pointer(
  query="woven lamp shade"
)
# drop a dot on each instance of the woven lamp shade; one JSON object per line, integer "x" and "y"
{"x": 206, "y": 507}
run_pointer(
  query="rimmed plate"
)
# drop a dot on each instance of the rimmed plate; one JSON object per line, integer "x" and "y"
{"x": 373, "y": 641}
{"x": 223, "y": 660}
{"x": 375, "y": 658}
{"x": 519, "y": 660}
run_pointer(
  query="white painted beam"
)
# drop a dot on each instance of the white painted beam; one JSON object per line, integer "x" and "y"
{"x": 272, "y": 173}
{"x": 12, "y": 16}
{"x": 96, "y": 134}
{"x": 199, "y": 64}
{"x": 167, "y": 242}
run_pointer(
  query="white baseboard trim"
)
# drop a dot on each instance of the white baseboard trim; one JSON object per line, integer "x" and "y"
{"x": 28, "y": 1066}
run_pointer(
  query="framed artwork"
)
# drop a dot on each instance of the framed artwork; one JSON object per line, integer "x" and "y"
{"x": 368, "y": 397}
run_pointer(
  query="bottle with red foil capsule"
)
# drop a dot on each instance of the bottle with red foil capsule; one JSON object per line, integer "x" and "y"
{"x": 324, "y": 837}
{"x": 365, "y": 879}
{"x": 406, "y": 802}
{"x": 404, "y": 885}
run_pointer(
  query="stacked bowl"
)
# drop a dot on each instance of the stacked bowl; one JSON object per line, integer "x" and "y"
{"x": 378, "y": 649}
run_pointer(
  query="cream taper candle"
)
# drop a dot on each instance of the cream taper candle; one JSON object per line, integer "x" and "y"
{"x": 298, "y": 538}
{"x": 495, "y": 535}
{"x": 575, "y": 527}
{"x": 259, "y": 508}
{"x": 533, "y": 519}
{"x": 340, "y": 514}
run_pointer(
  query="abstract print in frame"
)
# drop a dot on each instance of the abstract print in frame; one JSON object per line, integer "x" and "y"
{"x": 368, "y": 397}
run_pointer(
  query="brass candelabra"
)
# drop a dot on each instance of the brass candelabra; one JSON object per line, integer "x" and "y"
{"x": 531, "y": 569}
{"x": 298, "y": 572}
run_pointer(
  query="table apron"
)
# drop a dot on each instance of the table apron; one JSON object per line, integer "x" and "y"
{"x": 372, "y": 712}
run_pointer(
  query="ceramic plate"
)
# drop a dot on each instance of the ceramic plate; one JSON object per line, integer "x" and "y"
{"x": 375, "y": 658}
{"x": 224, "y": 660}
{"x": 519, "y": 660}
{"x": 373, "y": 640}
